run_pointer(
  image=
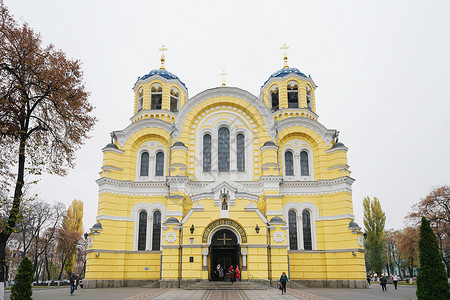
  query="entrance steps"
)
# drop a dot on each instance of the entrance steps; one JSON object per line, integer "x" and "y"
{"x": 224, "y": 285}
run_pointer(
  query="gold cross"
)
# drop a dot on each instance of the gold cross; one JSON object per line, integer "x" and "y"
{"x": 223, "y": 77}
{"x": 163, "y": 57}
{"x": 224, "y": 239}
{"x": 285, "y": 57}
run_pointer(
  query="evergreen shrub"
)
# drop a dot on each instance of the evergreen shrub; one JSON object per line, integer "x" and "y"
{"x": 22, "y": 290}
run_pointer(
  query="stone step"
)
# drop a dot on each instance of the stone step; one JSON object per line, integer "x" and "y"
{"x": 220, "y": 285}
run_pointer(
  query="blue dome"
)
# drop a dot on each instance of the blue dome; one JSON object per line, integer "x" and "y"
{"x": 163, "y": 73}
{"x": 285, "y": 71}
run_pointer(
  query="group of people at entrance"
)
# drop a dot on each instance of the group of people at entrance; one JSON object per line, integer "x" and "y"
{"x": 383, "y": 281}
{"x": 234, "y": 274}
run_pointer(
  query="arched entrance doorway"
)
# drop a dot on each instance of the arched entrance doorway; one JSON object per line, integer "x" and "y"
{"x": 224, "y": 250}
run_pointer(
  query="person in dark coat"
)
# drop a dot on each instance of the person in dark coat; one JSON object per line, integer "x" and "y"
{"x": 72, "y": 280}
{"x": 283, "y": 281}
{"x": 383, "y": 282}
{"x": 368, "y": 279}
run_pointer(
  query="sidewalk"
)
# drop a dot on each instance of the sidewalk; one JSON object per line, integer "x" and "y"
{"x": 372, "y": 293}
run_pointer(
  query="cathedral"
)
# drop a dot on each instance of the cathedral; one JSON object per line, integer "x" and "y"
{"x": 229, "y": 178}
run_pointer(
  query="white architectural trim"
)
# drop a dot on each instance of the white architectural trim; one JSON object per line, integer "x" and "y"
{"x": 235, "y": 125}
{"x": 123, "y": 135}
{"x": 150, "y": 208}
{"x": 112, "y": 218}
{"x": 299, "y": 208}
{"x": 224, "y": 92}
{"x": 252, "y": 207}
{"x": 326, "y": 134}
{"x": 336, "y": 217}
{"x": 319, "y": 187}
{"x": 196, "y": 207}
{"x": 296, "y": 160}
{"x": 159, "y": 147}
{"x": 131, "y": 188}
{"x": 236, "y": 233}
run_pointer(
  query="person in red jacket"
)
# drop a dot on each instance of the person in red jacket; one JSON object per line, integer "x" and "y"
{"x": 231, "y": 273}
{"x": 237, "y": 273}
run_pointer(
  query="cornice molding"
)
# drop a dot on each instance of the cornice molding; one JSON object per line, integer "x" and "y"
{"x": 131, "y": 188}
{"x": 123, "y": 135}
{"x": 336, "y": 217}
{"x": 320, "y": 187}
{"x": 326, "y": 134}
{"x": 224, "y": 92}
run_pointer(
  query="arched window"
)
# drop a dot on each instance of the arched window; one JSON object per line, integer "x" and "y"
{"x": 274, "y": 98}
{"x": 156, "y": 96}
{"x": 289, "y": 162}
{"x": 156, "y": 235}
{"x": 142, "y": 236}
{"x": 293, "y": 230}
{"x": 240, "y": 146}
{"x": 174, "y": 97}
{"x": 144, "y": 164}
{"x": 140, "y": 102}
{"x": 307, "y": 241}
{"x": 224, "y": 150}
{"x": 292, "y": 91}
{"x": 206, "y": 153}
{"x": 304, "y": 166}
{"x": 159, "y": 165}
{"x": 308, "y": 96}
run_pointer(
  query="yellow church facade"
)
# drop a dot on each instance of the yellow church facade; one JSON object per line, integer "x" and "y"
{"x": 225, "y": 178}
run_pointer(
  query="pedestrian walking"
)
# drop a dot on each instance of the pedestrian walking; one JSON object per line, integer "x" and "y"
{"x": 383, "y": 282}
{"x": 72, "y": 280}
{"x": 237, "y": 273}
{"x": 77, "y": 281}
{"x": 368, "y": 279}
{"x": 283, "y": 281}
{"x": 395, "y": 279}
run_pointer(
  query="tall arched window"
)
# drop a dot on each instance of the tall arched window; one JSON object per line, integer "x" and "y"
{"x": 144, "y": 164}
{"x": 224, "y": 150}
{"x": 289, "y": 162}
{"x": 307, "y": 241}
{"x": 274, "y": 98}
{"x": 159, "y": 165}
{"x": 308, "y": 96}
{"x": 140, "y": 102}
{"x": 240, "y": 147}
{"x": 293, "y": 230}
{"x": 156, "y": 96}
{"x": 156, "y": 235}
{"x": 304, "y": 165}
{"x": 292, "y": 91}
{"x": 206, "y": 153}
{"x": 142, "y": 236}
{"x": 174, "y": 97}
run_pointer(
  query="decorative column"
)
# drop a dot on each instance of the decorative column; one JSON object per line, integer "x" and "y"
{"x": 244, "y": 259}
{"x": 205, "y": 259}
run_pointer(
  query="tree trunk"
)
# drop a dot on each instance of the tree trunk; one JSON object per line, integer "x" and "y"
{"x": 63, "y": 262}
{"x": 46, "y": 266}
{"x": 14, "y": 213}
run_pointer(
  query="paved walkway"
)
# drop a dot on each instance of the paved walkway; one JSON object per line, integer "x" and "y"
{"x": 372, "y": 293}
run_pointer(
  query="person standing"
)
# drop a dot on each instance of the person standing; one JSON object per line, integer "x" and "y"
{"x": 237, "y": 273}
{"x": 220, "y": 271}
{"x": 72, "y": 283}
{"x": 368, "y": 279}
{"x": 231, "y": 273}
{"x": 77, "y": 281}
{"x": 283, "y": 281}
{"x": 383, "y": 282}
{"x": 395, "y": 279}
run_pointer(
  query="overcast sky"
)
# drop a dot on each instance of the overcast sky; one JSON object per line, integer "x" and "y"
{"x": 382, "y": 67}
